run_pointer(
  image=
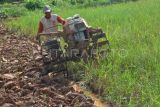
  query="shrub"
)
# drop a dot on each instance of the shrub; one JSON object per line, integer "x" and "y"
{"x": 13, "y": 10}
{"x": 54, "y": 2}
{"x": 73, "y": 2}
{"x": 112, "y": 1}
{"x": 80, "y": 1}
{"x": 34, "y": 4}
{"x": 9, "y": 1}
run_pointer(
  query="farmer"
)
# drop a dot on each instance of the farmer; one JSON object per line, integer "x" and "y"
{"x": 49, "y": 22}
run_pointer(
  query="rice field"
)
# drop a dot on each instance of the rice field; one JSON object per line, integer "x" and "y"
{"x": 130, "y": 75}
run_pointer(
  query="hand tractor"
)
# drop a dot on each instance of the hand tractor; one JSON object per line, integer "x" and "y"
{"x": 80, "y": 41}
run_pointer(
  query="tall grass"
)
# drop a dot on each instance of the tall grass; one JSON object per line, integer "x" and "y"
{"x": 13, "y": 10}
{"x": 131, "y": 74}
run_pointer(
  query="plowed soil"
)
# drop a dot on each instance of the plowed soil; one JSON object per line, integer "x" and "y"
{"x": 20, "y": 82}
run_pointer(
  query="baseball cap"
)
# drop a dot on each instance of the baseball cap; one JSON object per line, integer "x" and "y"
{"x": 46, "y": 8}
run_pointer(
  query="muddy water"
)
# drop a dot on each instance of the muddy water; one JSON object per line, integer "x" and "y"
{"x": 97, "y": 103}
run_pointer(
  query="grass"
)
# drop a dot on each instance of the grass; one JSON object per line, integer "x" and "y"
{"x": 130, "y": 75}
{"x": 13, "y": 10}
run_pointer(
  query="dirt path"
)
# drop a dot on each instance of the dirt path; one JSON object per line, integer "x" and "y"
{"x": 20, "y": 81}
{"x": 97, "y": 102}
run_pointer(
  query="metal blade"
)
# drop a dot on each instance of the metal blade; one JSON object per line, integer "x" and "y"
{"x": 96, "y": 37}
{"x": 102, "y": 43}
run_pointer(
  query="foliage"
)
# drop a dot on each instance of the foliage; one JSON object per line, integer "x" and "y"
{"x": 13, "y": 10}
{"x": 54, "y": 2}
{"x": 9, "y": 1}
{"x": 34, "y": 4}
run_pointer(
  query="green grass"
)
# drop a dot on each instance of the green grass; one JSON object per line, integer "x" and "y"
{"x": 131, "y": 74}
{"x": 13, "y": 10}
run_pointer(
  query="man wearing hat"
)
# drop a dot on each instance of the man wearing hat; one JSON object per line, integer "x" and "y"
{"x": 49, "y": 22}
